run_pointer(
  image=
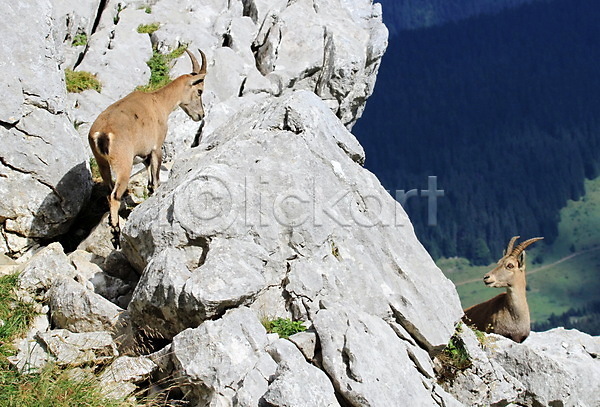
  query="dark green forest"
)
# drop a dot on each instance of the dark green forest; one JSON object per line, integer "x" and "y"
{"x": 411, "y": 14}
{"x": 503, "y": 109}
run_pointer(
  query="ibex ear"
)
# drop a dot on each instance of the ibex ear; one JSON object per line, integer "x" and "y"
{"x": 198, "y": 79}
{"x": 521, "y": 259}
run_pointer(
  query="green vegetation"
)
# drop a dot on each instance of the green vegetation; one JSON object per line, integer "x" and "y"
{"x": 562, "y": 278}
{"x": 80, "y": 39}
{"x": 454, "y": 358}
{"x": 148, "y": 28}
{"x": 160, "y": 65}
{"x": 51, "y": 387}
{"x": 284, "y": 327}
{"x": 95, "y": 170}
{"x": 78, "y": 81}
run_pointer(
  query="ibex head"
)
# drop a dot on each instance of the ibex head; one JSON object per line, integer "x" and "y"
{"x": 191, "y": 100}
{"x": 510, "y": 270}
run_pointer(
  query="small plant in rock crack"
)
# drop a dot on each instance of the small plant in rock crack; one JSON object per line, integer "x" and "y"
{"x": 78, "y": 81}
{"x": 284, "y": 327}
{"x": 148, "y": 28}
{"x": 453, "y": 359}
{"x": 80, "y": 39}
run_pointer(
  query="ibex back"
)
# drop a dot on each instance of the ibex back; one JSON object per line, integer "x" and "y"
{"x": 137, "y": 126}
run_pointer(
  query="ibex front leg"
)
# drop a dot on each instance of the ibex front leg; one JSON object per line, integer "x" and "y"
{"x": 122, "y": 173}
{"x": 154, "y": 161}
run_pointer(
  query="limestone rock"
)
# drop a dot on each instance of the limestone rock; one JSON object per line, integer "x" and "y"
{"x": 31, "y": 355}
{"x": 297, "y": 383}
{"x": 557, "y": 367}
{"x": 368, "y": 363}
{"x": 228, "y": 355}
{"x": 486, "y": 382}
{"x": 78, "y": 309}
{"x": 75, "y": 349}
{"x": 44, "y": 179}
{"x": 331, "y": 237}
{"x": 43, "y": 270}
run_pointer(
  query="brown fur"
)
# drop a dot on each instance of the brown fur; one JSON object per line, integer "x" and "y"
{"x": 506, "y": 314}
{"x": 137, "y": 126}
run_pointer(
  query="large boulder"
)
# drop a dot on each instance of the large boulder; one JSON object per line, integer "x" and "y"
{"x": 274, "y": 212}
{"x": 44, "y": 175}
{"x": 230, "y": 226}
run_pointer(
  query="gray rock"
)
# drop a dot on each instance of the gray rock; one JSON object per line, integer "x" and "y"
{"x": 219, "y": 358}
{"x": 31, "y": 355}
{"x": 331, "y": 237}
{"x": 557, "y": 367}
{"x": 117, "y": 53}
{"x": 486, "y": 382}
{"x": 43, "y": 270}
{"x": 44, "y": 179}
{"x": 94, "y": 278}
{"x": 75, "y": 349}
{"x": 297, "y": 383}
{"x": 128, "y": 369}
{"x": 78, "y": 309}
{"x": 367, "y": 362}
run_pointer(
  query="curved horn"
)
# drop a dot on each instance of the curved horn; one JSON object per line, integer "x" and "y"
{"x": 511, "y": 244}
{"x": 203, "y": 67}
{"x": 195, "y": 64}
{"x": 519, "y": 249}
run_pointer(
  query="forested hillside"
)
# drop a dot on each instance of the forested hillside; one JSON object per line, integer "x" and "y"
{"x": 410, "y": 14}
{"x": 503, "y": 109}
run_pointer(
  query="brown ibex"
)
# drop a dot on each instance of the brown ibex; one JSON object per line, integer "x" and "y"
{"x": 137, "y": 126}
{"x": 507, "y": 314}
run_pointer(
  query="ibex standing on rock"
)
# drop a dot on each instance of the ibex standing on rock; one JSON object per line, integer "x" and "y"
{"x": 137, "y": 126}
{"x": 506, "y": 314}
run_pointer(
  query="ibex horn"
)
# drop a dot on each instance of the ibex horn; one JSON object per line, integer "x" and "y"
{"x": 195, "y": 64}
{"x": 510, "y": 245}
{"x": 519, "y": 249}
{"x": 203, "y": 68}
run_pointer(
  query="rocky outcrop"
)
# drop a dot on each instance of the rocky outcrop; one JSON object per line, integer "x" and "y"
{"x": 44, "y": 175}
{"x": 554, "y": 368}
{"x": 232, "y": 228}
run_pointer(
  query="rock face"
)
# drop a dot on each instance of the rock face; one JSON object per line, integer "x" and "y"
{"x": 44, "y": 176}
{"x": 554, "y": 368}
{"x": 233, "y": 228}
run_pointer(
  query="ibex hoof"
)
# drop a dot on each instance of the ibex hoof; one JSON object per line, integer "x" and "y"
{"x": 115, "y": 242}
{"x": 116, "y": 232}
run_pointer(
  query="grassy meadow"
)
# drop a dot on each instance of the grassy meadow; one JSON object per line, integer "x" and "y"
{"x": 561, "y": 276}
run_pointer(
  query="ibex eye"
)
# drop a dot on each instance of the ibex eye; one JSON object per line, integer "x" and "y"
{"x": 510, "y": 266}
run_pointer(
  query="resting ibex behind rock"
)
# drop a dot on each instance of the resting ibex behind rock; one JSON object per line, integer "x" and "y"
{"x": 506, "y": 314}
{"x": 137, "y": 126}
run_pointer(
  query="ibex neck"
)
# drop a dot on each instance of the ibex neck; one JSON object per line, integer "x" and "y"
{"x": 517, "y": 301}
{"x": 169, "y": 96}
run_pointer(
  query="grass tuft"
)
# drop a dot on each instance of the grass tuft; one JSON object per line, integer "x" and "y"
{"x": 78, "y": 81}
{"x": 50, "y": 387}
{"x": 80, "y": 39}
{"x": 284, "y": 327}
{"x": 148, "y": 28}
